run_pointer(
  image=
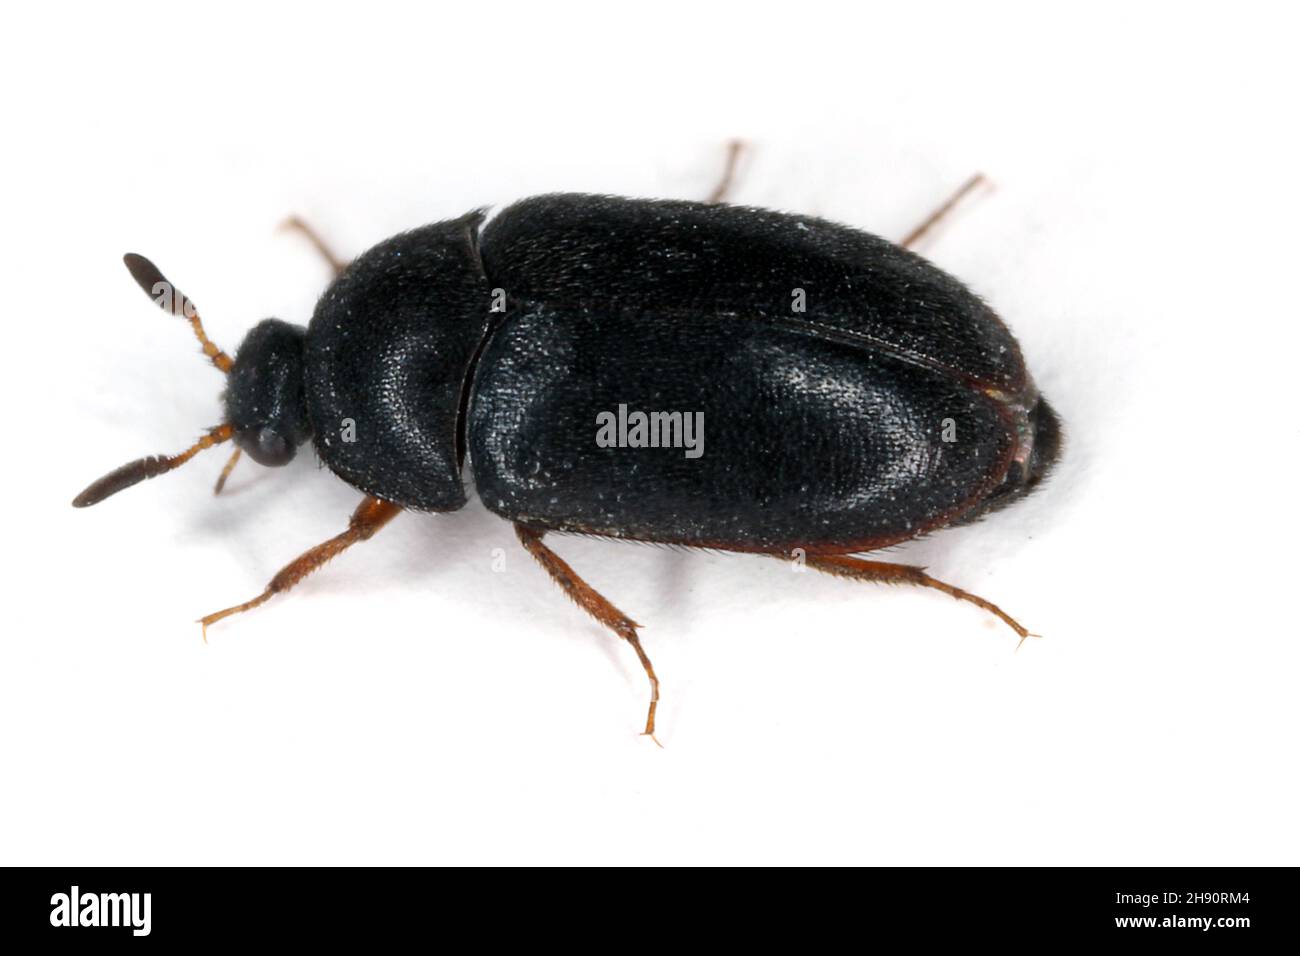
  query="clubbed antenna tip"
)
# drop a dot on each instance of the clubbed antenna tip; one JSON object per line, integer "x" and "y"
{"x": 134, "y": 472}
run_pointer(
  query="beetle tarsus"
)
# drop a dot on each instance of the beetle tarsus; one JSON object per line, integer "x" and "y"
{"x": 635, "y": 641}
{"x": 595, "y": 604}
{"x": 1024, "y": 638}
{"x": 860, "y": 569}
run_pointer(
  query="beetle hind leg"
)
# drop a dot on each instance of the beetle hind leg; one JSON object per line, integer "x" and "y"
{"x": 595, "y": 604}
{"x": 883, "y": 572}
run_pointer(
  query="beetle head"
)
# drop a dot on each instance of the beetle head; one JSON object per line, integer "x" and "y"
{"x": 264, "y": 400}
{"x": 265, "y": 410}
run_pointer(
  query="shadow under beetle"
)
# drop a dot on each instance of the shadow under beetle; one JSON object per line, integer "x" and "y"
{"x": 854, "y": 396}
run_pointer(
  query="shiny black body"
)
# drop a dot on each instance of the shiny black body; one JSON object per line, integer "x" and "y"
{"x": 264, "y": 397}
{"x": 389, "y": 353}
{"x": 892, "y": 403}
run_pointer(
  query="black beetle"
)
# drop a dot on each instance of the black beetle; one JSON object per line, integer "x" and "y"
{"x": 579, "y": 348}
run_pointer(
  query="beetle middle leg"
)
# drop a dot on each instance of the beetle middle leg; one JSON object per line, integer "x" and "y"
{"x": 371, "y": 515}
{"x": 595, "y": 604}
{"x": 294, "y": 224}
{"x": 883, "y": 572}
{"x": 932, "y": 220}
{"x": 734, "y": 148}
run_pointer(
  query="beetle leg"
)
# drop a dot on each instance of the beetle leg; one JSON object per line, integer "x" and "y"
{"x": 371, "y": 515}
{"x": 932, "y": 220}
{"x": 225, "y": 472}
{"x": 587, "y": 598}
{"x": 862, "y": 570}
{"x": 734, "y": 148}
{"x": 294, "y": 224}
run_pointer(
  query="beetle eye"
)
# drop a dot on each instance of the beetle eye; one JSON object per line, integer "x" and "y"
{"x": 269, "y": 447}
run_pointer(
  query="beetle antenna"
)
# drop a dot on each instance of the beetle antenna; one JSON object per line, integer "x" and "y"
{"x": 170, "y": 299}
{"x": 134, "y": 472}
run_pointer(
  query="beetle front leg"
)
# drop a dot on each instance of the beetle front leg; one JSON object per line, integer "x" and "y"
{"x": 294, "y": 224}
{"x": 225, "y": 472}
{"x": 371, "y": 515}
{"x": 591, "y": 601}
{"x": 883, "y": 572}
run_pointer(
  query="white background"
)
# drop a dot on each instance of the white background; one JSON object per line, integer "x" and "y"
{"x": 410, "y": 705}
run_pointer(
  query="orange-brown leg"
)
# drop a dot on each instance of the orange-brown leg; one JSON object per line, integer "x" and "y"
{"x": 885, "y": 573}
{"x": 932, "y": 220}
{"x": 371, "y": 515}
{"x": 594, "y": 604}
{"x": 294, "y": 224}
{"x": 734, "y": 148}
{"x": 225, "y": 472}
